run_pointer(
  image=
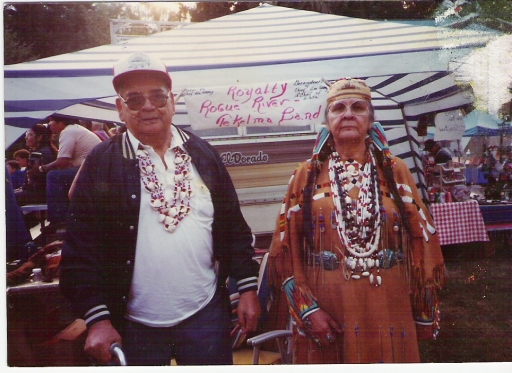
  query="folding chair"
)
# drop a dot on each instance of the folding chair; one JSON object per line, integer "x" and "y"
{"x": 282, "y": 337}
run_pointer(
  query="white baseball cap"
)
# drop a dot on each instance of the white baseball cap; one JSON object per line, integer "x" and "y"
{"x": 139, "y": 62}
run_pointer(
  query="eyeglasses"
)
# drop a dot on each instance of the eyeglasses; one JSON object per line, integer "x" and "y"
{"x": 337, "y": 109}
{"x": 136, "y": 102}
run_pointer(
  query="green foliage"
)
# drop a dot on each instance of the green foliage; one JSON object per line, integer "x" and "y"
{"x": 39, "y": 30}
{"x": 495, "y": 14}
{"x": 359, "y": 9}
{"x": 53, "y": 28}
{"x": 377, "y": 10}
{"x": 17, "y": 49}
{"x": 204, "y": 11}
{"x": 501, "y": 9}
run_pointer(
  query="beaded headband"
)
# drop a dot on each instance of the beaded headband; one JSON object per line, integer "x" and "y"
{"x": 349, "y": 88}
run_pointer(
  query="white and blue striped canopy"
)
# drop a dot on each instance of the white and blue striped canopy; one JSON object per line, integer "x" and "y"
{"x": 405, "y": 65}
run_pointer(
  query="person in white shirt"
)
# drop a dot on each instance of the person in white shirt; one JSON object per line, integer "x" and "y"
{"x": 75, "y": 142}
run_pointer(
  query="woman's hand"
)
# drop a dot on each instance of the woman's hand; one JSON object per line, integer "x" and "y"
{"x": 323, "y": 327}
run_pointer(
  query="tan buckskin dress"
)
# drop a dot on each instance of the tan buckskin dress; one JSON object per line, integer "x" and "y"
{"x": 378, "y": 321}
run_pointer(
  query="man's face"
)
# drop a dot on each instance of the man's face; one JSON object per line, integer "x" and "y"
{"x": 56, "y": 127}
{"x": 434, "y": 149}
{"x": 147, "y": 120}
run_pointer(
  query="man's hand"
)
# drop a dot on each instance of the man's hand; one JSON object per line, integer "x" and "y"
{"x": 248, "y": 311}
{"x": 101, "y": 336}
{"x": 324, "y": 327}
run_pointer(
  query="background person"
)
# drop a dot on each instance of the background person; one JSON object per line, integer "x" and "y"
{"x": 152, "y": 212}
{"x": 75, "y": 142}
{"x": 17, "y": 176}
{"x": 354, "y": 244}
{"x": 21, "y": 156}
{"x": 18, "y": 241}
{"x": 33, "y": 190}
{"x": 441, "y": 155}
{"x": 100, "y": 129}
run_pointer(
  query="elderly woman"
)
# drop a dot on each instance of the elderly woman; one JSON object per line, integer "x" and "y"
{"x": 355, "y": 250}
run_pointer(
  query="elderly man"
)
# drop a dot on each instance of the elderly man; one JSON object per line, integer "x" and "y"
{"x": 154, "y": 230}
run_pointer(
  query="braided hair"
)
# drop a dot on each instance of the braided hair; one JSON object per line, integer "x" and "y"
{"x": 314, "y": 169}
{"x": 385, "y": 164}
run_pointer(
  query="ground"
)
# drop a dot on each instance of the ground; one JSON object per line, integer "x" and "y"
{"x": 476, "y": 323}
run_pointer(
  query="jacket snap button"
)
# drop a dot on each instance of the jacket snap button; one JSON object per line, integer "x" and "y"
{"x": 134, "y": 196}
{"x": 128, "y": 262}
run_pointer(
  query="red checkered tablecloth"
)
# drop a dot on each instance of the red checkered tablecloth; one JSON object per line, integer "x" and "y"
{"x": 458, "y": 222}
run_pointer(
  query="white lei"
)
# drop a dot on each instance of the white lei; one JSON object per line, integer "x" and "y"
{"x": 173, "y": 211}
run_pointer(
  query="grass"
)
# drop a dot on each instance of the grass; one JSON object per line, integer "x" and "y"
{"x": 476, "y": 310}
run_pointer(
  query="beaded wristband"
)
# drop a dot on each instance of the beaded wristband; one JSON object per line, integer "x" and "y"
{"x": 301, "y": 305}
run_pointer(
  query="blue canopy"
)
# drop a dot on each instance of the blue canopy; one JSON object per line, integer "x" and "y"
{"x": 479, "y": 123}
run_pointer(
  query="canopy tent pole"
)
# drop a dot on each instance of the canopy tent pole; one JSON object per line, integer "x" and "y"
{"x": 421, "y": 178}
{"x": 407, "y": 130}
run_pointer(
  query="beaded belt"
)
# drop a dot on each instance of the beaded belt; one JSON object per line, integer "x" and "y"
{"x": 328, "y": 260}
{"x": 325, "y": 259}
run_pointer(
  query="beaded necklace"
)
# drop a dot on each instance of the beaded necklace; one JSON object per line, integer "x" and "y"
{"x": 172, "y": 210}
{"x": 358, "y": 221}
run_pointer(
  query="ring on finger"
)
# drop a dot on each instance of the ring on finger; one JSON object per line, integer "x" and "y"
{"x": 329, "y": 337}
{"x": 316, "y": 340}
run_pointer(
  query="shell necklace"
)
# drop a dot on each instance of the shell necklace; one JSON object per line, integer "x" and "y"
{"x": 174, "y": 209}
{"x": 358, "y": 221}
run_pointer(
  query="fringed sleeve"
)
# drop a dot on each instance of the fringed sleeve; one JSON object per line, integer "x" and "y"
{"x": 285, "y": 257}
{"x": 288, "y": 232}
{"x": 427, "y": 273}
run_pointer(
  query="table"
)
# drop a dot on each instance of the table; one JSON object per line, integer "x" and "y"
{"x": 498, "y": 213}
{"x": 459, "y": 222}
{"x": 29, "y": 287}
{"x": 498, "y": 221}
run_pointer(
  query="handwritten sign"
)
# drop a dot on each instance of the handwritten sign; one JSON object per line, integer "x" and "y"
{"x": 288, "y": 103}
{"x": 449, "y": 125}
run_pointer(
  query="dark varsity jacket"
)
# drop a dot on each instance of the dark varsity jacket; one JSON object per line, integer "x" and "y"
{"x": 98, "y": 253}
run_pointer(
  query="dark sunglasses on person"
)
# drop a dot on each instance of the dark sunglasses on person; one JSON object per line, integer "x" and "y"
{"x": 137, "y": 101}
{"x": 338, "y": 108}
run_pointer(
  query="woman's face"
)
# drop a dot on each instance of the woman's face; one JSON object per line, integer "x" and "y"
{"x": 349, "y": 120}
{"x": 30, "y": 139}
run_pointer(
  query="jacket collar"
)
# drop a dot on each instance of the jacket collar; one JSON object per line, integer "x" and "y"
{"x": 129, "y": 143}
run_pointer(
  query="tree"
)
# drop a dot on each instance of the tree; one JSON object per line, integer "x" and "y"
{"x": 204, "y": 11}
{"x": 377, "y": 10}
{"x": 52, "y": 28}
{"x": 39, "y": 30}
{"x": 496, "y": 11}
{"x": 359, "y": 9}
{"x": 16, "y": 50}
